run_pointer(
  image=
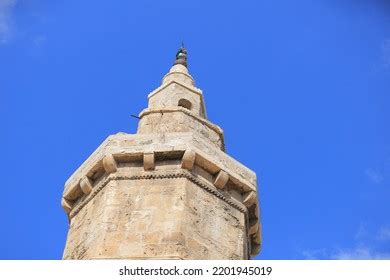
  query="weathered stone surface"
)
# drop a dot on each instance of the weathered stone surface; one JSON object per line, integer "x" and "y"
{"x": 253, "y": 228}
{"x": 109, "y": 164}
{"x": 122, "y": 144}
{"x": 221, "y": 180}
{"x": 86, "y": 185}
{"x": 170, "y": 119}
{"x": 174, "y": 215}
{"x": 66, "y": 205}
{"x": 149, "y": 163}
{"x": 188, "y": 160}
{"x": 249, "y": 199}
{"x": 168, "y": 192}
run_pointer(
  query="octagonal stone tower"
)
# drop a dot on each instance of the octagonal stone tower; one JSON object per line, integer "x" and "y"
{"x": 168, "y": 192}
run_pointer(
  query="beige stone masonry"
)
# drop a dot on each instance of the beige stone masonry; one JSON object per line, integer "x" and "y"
{"x": 123, "y": 143}
{"x": 168, "y": 192}
{"x": 249, "y": 199}
{"x": 178, "y": 73}
{"x": 188, "y": 160}
{"x": 221, "y": 180}
{"x": 149, "y": 163}
{"x": 109, "y": 164}
{"x": 86, "y": 185}
{"x": 66, "y": 205}
{"x": 178, "y": 84}
{"x": 177, "y": 119}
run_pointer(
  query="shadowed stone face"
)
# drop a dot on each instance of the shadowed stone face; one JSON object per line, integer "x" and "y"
{"x": 168, "y": 192}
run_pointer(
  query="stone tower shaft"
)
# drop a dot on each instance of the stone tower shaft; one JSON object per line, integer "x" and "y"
{"x": 168, "y": 192}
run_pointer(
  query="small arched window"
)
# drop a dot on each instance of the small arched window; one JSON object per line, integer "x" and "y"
{"x": 185, "y": 103}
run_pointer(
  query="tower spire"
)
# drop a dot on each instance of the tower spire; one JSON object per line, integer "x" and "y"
{"x": 181, "y": 56}
{"x": 169, "y": 191}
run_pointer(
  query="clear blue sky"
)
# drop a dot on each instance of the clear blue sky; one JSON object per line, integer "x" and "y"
{"x": 301, "y": 88}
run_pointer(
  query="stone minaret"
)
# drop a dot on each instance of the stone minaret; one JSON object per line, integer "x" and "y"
{"x": 168, "y": 192}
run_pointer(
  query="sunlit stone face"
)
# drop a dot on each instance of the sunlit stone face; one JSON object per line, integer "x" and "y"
{"x": 167, "y": 192}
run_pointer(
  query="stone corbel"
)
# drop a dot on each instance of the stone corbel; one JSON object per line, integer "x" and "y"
{"x": 86, "y": 185}
{"x": 67, "y": 205}
{"x": 255, "y": 249}
{"x": 188, "y": 160}
{"x": 149, "y": 161}
{"x": 253, "y": 227}
{"x": 221, "y": 180}
{"x": 109, "y": 164}
{"x": 72, "y": 192}
{"x": 256, "y": 211}
{"x": 249, "y": 199}
{"x": 256, "y": 239}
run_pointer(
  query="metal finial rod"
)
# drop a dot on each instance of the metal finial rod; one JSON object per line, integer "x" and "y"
{"x": 181, "y": 56}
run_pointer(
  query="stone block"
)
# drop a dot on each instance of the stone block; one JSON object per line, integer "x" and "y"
{"x": 149, "y": 162}
{"x": 66, "y": 205}
{"x": 174, "y": 238}
{"x": 151, "y": 237}
{"x": 109, "y": 164}
{"x": 221, "y": 180}
{"x": 188, "y": 159}
{"x": 249, "y": 199}
{"x": 86, "y": 185}
{"x": 198, "y": 251}
{"x": 72, "y": 192}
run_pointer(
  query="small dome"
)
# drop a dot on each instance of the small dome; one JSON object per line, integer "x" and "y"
{"x": 179, "y": 68}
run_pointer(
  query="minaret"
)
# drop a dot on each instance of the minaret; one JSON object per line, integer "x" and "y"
{"x": 167, "y": 192}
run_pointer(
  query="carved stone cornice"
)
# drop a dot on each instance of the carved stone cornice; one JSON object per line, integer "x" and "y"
{"x": 155, "y": 175}
{"x": 77, "y": 196}
{"x": 132, "y": 147}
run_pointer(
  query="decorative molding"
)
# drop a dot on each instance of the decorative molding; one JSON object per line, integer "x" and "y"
{"x": 190, "y": 157}
{"x": 163, "y": 86}
{"x": 252, "y": 228}
{"x": 156, "y": 176}
{"x": 83, "y": 191}
{"x": 216, "y": 159}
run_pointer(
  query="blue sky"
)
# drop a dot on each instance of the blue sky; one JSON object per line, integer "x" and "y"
{"x": 301, "y": 89}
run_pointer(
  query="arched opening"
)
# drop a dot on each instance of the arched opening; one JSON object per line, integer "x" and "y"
{"x": 185, "y": 103}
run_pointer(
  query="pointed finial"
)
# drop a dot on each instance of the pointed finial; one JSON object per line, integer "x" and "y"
{"x": 181, "y": 56}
